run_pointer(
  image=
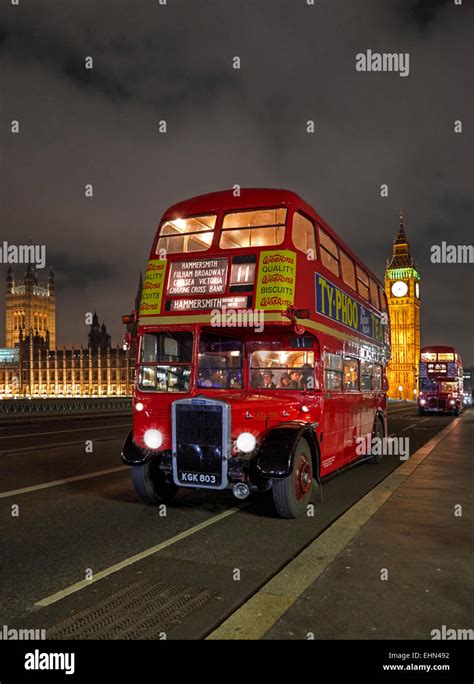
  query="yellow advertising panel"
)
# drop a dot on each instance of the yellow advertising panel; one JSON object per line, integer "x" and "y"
{"x": 153, "y": 285}
{"x": 276, "y": 280}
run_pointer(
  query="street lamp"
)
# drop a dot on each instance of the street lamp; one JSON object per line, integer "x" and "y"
{"x": 400, "y": 389}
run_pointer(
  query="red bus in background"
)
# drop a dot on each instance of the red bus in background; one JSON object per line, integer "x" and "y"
{"x": 440, "y": 381}
{"x": 261, "y": 351}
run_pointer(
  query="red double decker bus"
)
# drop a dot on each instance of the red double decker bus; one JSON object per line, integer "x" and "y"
{"x": 261, "y": 351}
{"x": 440, "y": 381}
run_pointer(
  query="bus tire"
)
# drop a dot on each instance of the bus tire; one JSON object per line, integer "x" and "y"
{"x": 150, "y": 483}
{"x": 292, "y": 494}
{"x": 421, "y": 412}
{"x": 379, "y": 433}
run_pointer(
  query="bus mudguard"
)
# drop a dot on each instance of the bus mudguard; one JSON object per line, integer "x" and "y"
{"x": 131, "y": 453}
{"x": 277, "y": 452}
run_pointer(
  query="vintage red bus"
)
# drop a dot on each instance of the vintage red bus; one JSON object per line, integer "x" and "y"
{"x": 440, "y": 381}
{"x": 261, "y": 351}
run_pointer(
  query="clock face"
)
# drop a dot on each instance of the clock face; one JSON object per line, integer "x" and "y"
{"x": 417, "y": 290}
{"x": 399, "y": 288}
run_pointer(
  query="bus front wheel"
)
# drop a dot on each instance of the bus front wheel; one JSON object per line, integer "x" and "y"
{"x": 291, "y": 494}
{"x": 150, "y": 483}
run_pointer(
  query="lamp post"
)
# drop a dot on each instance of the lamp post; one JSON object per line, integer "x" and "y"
{"x": 400, "y": 389}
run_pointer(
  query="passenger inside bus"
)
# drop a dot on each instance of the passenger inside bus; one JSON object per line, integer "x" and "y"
{"x": 213, "y": 379}
{"x": 282, "y": 370}
{"x": 285, "y": 381}
{"x": 266, "y": 380}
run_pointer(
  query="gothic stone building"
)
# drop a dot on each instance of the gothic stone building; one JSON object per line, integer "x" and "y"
{"x": 32, "y": 366}
{"x": 402, "y": 287}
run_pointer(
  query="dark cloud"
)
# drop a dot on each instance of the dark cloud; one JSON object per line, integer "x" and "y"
{"x": 225, "y": 127}
{"x": 426, "y": 11}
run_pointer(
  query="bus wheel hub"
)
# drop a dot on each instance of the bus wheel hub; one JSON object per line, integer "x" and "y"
{"x": 303, "y": 477}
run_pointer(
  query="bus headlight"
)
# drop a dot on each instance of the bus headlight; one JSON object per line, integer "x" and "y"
{"x": 452, "y": 402}
{"x": 139, "y": 406}
{"x": 153, "y": 439}
{"x": 422, "y": 402}
{"x": 246, "y": 442}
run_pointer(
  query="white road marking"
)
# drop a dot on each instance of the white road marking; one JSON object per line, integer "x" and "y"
{"x": 424, "y": 420}
{"x": 57, "y": 432}
{"x": 57, "y": 483}
{"x": 408, "y": 427}
{"x": 133, "y": 559}
{"x": 48, "y": 447}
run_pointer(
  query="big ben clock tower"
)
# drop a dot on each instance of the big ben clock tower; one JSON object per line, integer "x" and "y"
{"x": 402, "y": 287}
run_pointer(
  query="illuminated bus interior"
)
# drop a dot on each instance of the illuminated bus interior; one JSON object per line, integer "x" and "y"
{"x": 183, "y": 235}
{"x": 282, "y": 369}
{"x": 256, "y": 228}
{"x": 261, "y": 228}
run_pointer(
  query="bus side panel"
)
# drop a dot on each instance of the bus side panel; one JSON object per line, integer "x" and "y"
{"x": 332, "y": 447}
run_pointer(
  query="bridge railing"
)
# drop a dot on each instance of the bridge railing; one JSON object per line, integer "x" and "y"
{"x": 11, "y": 408}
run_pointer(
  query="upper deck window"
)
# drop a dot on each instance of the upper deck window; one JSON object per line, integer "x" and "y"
{"x": 347, "y": 268}
{"x": 183, "y": 235}
{"x": 428, "y": 357}
{"x": 442, "y": 356}
{"x": 362, "y": 282}
{"x": 257, "y": 228}
{"x": 303, "y": 235}
{"x": 374, "y": 294}
{"x": 329, "y": 252}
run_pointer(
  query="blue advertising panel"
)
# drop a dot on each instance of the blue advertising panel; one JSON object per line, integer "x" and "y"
{"x": 338, "y": 306}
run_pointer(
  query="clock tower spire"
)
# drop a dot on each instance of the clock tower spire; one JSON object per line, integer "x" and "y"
{"x": 402, "y": 287}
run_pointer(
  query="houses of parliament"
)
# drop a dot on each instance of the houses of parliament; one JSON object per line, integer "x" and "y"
{"x": 31, "y": 365}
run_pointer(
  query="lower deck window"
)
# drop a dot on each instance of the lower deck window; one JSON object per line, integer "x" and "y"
{"x": 220, "y": 362}
{"x": 165, "y": 362}
{"x": 333, "y": 371}
{"x": 291, "y": 370}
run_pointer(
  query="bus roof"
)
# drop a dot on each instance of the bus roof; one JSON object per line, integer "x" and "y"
{"x": 438, "y": 349}
{"x": 254, "y": 198}
{"x": 249, "y": 197}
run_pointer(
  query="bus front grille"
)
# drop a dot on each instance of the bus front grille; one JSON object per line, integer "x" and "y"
{"x": 201, "y": 429}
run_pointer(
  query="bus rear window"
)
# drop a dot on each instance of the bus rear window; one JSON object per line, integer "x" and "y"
{"x": 428, "y": 357}
{"x": 257, "y": 228}
{"x": 183, "y": 235}
{"x": 445, "y": 357}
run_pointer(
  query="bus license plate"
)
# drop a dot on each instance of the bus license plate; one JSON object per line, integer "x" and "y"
{"x": 198, "y": 479}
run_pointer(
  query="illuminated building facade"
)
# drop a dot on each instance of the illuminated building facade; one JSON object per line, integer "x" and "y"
{"x": 31, "y": 366}
{"x": 30, "y": 305}
{"x": 402, "y": 287}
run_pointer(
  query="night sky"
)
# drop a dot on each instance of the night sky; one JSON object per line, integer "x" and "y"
{"x": 175, "y": 62}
